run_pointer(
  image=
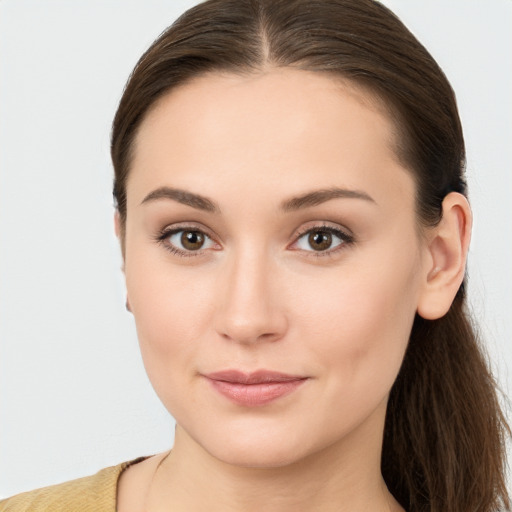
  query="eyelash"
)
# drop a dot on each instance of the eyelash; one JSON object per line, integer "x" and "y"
{"x": 346, "y": 240}
{"x": 164, "y": 235}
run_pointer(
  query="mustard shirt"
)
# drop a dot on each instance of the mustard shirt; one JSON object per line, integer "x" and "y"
{"x": 95, "y": 493}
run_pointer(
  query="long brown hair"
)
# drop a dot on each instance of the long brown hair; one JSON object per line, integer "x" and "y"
{"x": 445, "y": 433}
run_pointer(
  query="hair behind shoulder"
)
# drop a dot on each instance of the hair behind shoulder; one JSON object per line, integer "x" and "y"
{"x": 444, "y": 440}
{"x": 445, "y": 434}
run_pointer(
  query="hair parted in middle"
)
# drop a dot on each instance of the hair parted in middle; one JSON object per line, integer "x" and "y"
{"x": 445, "y": 432}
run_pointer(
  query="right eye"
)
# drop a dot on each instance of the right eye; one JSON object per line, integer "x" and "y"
{"x": 185, "y": 241}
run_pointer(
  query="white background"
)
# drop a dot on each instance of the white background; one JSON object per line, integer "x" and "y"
{"x": 73, "y": 393}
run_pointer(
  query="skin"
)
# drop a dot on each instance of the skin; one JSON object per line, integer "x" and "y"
{"x": 258, "y": 295}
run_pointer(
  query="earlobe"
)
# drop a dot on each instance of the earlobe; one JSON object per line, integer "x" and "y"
{"x": 447, "y": 250}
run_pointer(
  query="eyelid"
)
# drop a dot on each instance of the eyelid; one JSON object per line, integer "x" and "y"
{"x": 163, "y": 235}
{"x": 326, "y": 225}
{"x": 342, "y": 233}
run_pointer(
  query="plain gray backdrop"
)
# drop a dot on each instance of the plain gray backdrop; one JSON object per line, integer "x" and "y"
{"x": 74, "y": 396}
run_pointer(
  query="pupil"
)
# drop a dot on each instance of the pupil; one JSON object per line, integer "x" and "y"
{"x": 320, "y": 240}
{"x": 192, "y": 240}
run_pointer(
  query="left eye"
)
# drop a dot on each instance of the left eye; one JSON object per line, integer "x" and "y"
{"x": 321, "y": 240}
{"x": 189, "y": 240}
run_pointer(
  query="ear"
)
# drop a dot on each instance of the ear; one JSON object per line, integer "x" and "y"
{"x": 119, "y": 231}
{"x": 117, "y": 224}
{"x": 447, "y": 249}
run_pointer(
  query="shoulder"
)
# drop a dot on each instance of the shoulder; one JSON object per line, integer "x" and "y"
{"x": 95, "y": 493}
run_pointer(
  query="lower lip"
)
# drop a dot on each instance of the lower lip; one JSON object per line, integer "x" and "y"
{"x": 253, "y": 395}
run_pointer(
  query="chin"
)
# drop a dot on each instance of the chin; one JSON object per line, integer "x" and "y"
{"x": 258, "y": 449}
{"x": 258, "y": 457}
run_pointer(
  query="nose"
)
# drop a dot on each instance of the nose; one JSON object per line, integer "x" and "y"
{"x": 250, "y": 307}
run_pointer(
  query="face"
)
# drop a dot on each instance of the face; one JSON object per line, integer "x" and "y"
{"x": 272, "y": 263}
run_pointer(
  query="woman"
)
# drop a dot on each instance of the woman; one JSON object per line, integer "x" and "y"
{"x": 292, "y": 215}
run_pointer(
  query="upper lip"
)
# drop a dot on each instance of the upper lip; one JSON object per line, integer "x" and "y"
{"x": 256, "y": 377}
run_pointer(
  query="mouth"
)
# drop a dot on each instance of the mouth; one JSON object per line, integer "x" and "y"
{"x": 254, "y": 389}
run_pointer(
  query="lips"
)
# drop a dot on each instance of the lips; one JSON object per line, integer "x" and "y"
{"x": 254, "y": 389}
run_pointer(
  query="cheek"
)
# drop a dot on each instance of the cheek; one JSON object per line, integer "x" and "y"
{"x": 171, "y": 313}
{"x": 172, "y": 308}
{"x": 360, "y": 321}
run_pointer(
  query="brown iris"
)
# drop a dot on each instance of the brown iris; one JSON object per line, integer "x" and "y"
{"x": 192, "y": 240}
{"x": 320, "y": 240}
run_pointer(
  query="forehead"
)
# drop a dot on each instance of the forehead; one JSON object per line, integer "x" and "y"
{"x": 253, "y": 96}
{"x": 286, "y": 128}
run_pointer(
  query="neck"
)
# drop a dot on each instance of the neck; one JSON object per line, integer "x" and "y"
{"x": 340, "y": 478}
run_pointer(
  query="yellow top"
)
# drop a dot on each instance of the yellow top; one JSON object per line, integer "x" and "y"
{"x": 95, "y": 493}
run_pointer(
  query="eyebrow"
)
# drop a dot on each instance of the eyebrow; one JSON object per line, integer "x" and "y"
{"x": 306, "y": 200}
{"x": 317, "y": 197}
{"x": 182, "y": 196}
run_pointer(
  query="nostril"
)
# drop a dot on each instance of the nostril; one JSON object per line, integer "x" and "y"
{"x": 268, "y": 329}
